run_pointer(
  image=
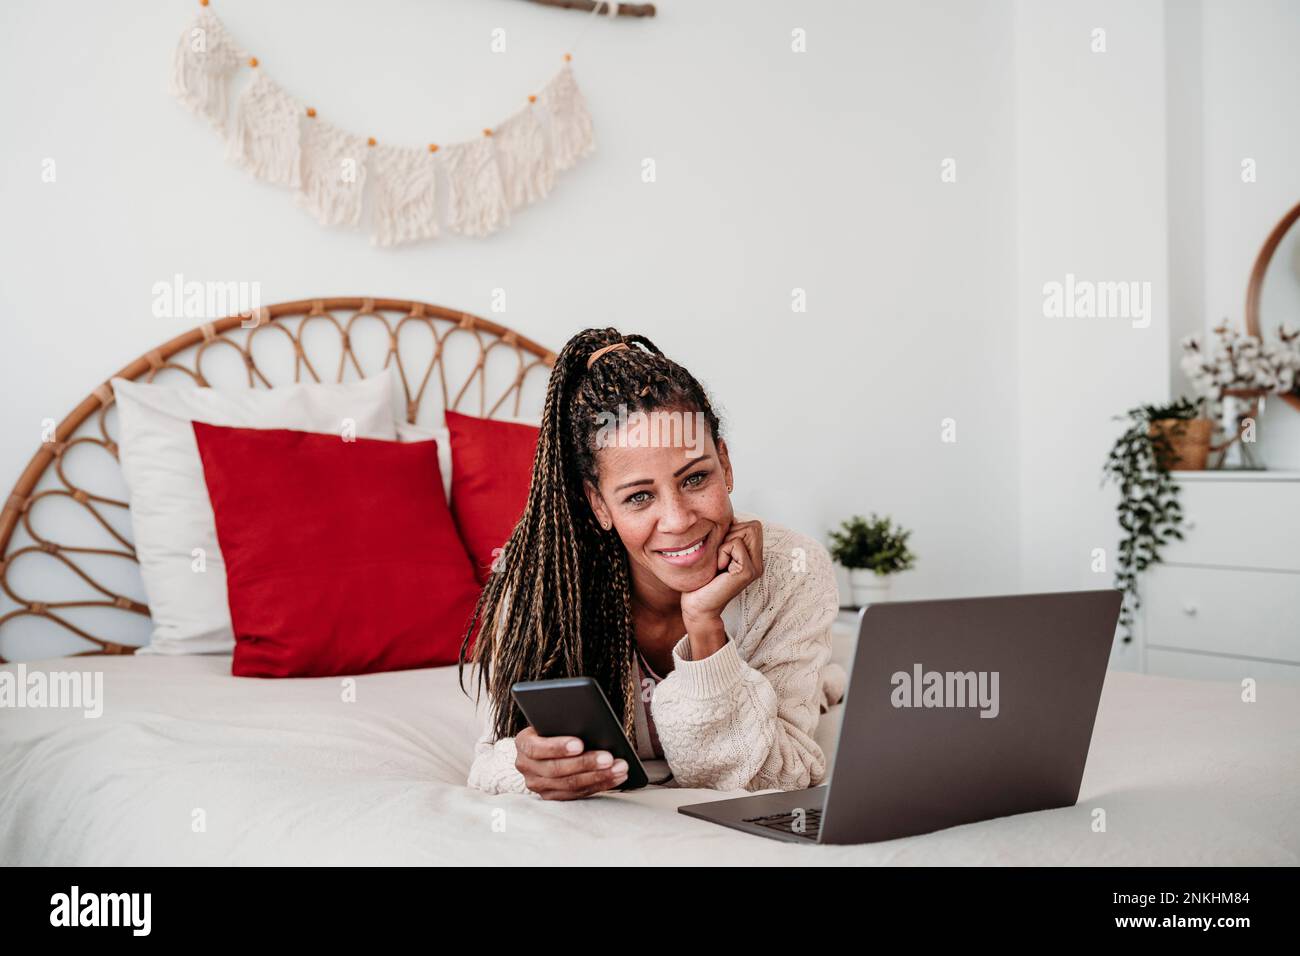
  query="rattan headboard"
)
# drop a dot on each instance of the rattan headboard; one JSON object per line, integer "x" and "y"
{"x": 400, "y": 331}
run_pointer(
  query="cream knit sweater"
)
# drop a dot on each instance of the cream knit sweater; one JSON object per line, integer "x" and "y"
{"x": 742, "y": 718}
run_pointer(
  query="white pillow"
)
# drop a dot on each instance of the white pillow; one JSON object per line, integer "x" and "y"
{"x": 170, "y": 510}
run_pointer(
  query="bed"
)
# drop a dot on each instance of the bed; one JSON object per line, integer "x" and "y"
{"x": 189, "y": 765}
{"x": 284, "y": 772}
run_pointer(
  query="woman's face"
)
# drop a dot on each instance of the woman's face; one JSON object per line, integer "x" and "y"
{"x": 669, "y": 503}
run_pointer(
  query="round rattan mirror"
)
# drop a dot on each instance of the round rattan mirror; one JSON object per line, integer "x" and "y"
{"x": 1273, "y": 294}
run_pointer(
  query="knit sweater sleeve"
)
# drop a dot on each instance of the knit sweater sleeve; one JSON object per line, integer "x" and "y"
{"x": 744, "y": 717}
{"x": 493, "y": 768}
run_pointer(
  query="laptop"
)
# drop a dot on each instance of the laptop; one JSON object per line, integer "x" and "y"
{"x": 956, "y": 711}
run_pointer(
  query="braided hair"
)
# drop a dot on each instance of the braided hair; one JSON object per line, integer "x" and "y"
{"x": 558, "y": 602}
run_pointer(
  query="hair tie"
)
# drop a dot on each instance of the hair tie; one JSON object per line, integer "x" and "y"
{"x": 608, "y": 348}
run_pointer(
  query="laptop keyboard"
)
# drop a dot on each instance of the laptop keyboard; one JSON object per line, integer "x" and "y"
{"x": 784, "y": 821}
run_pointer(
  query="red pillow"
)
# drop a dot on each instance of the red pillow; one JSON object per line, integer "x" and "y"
{"x": 491, "y": 470}
{"x": 341, "y": 556}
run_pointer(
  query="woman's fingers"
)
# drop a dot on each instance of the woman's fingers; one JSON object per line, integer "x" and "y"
{"x": 739, "y": 556}
{"x": 750, "y": 532}
{"x": 735, "y": 556}
{"x": 579, "y": 785}
{"x": 724, "y": 554}
{"x": 536, "y": 747}
{"x": 597, "y": 761}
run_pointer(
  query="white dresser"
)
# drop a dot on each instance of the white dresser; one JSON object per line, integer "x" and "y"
{"x": 1224, "y": 603}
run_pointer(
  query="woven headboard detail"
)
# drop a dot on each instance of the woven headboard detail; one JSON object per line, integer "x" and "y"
{"x": 446, "y": 359}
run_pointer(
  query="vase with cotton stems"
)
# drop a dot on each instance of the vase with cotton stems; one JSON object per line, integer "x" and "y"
{"x": 1234, "y": 373}
{"x": 872, "y": 549}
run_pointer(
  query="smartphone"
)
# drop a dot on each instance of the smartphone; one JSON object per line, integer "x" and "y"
{"x": 577, "y": 707}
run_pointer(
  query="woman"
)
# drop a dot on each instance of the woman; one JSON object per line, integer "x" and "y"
{"x": 627, "y": 564}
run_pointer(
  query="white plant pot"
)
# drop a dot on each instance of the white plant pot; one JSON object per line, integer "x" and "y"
{"x": 868, "y": 587}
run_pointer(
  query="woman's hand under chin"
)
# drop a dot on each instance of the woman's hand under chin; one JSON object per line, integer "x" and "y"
{"x": 739, "y": 564}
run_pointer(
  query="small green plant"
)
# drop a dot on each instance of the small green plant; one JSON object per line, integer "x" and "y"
{"x": 1149, "y": 512}
{"x": 874, "y": 544}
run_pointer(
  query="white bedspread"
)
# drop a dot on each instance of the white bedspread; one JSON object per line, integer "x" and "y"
{"x": 285, "y": 771}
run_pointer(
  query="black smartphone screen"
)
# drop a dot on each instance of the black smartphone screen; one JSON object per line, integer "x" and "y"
{"x": 577, "y": 707}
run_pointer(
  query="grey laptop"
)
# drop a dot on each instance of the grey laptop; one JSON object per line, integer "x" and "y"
{"x": 956, "y": 711}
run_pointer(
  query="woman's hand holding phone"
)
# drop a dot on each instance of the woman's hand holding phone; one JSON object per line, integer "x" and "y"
{"x": 555, "y": 772}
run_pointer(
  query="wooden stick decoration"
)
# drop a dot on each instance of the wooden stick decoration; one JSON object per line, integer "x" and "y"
{"x": 619, "y": 9}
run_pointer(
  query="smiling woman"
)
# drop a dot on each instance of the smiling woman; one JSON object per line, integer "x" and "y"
{"x": 629, "y": 563}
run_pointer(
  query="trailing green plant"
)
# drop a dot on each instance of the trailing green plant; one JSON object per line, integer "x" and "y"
{"x": 874, "y": 544}
{"x": 1149, "y": 511}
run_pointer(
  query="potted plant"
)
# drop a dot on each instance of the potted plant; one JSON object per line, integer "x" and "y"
{"x": 872, "y": 549}
{"x": 1149, "y": 512}
{"x": 1181, "y": 435}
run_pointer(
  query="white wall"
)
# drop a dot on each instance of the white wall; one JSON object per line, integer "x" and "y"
{"x": 776, "y": 170}
{"x": 1129, "y": 167}
{"x": 1184, "y": 129}
{"x": 1090, "y": 173}
{"x": 1251, "y": 68}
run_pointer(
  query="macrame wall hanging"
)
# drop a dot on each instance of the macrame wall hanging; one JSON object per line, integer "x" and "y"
{"x": 279, "y": 139}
